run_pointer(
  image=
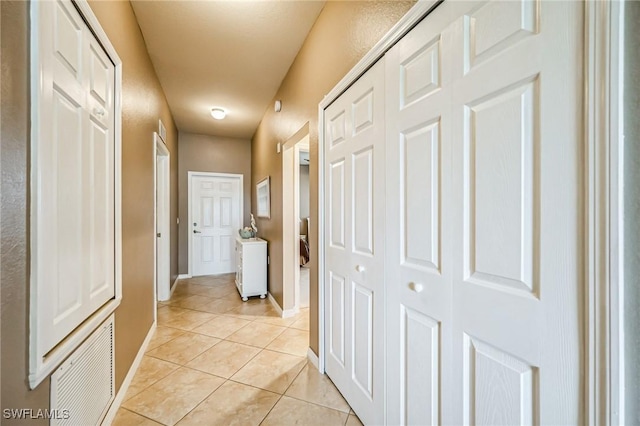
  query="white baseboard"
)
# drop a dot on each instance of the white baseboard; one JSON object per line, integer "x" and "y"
{"x": 173, "y": 287}
{"x": 274, "y": 303}
{"x": 313, "y": 358}
{"x": 115, "y": 405}
{"x": 184, "y": 276}
{"x": 287, "y": 313}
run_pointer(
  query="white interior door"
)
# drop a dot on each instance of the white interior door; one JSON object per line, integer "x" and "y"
{"x": 215, "y": 219}
{"x": 518, "y": 246}
{"x": 419, "y": 75}
{"x": 484, "y": 253}
{"x": 354, "y": 272}
{"x": 75, "y": 244}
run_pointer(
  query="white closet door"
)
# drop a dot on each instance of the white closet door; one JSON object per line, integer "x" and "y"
{"x": 418, "y": 232}
{"x": 74, "y": 176}
{"x": 484, "y": 251}
{"x": 354, "y": 171}
{"x": 518, "y": 245}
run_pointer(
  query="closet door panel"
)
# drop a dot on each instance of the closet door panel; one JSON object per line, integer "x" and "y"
{"x": 418, "y": 231}
{"x": 354, "y": 261}
{"x": 518, "y": 216}
{"x": 74, "y": 158}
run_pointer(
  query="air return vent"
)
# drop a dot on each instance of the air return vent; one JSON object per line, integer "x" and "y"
{"x": 82, "y": 388}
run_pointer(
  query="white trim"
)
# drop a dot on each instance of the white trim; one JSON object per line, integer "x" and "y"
{"x": 190, "y": 175}
{"x": 173, "y": 287}
{"x": 40, "y": 366}
{"x": 291, "y": 216}
{"x": 115, "y": 405}
{"x": 421, "y": 9}
{"x": 161, "y": 150}
{"x": 604, "y": 393}
{"x": 287, "y": 313}
{"x": 184, "y": 276}
{"x": 313, "y": 358}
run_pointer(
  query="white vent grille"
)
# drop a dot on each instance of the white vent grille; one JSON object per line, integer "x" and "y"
{"x": 82, "y": 388}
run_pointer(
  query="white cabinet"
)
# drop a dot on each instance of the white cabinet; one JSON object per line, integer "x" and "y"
{"x": 251, "y": 267}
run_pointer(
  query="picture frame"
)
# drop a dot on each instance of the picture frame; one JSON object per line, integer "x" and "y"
{"x": 263, "y": 195}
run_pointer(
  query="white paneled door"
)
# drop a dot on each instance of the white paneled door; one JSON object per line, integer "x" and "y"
{"x": 75, "y": 177}
{"x": 354, "y": 276}
{"x": 483, "y": 246}
{"x": 216, "y": 216}
{"x": 419, "y": 76}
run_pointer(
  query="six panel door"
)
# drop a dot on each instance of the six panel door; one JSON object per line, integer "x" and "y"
{"x": 75, "y": 175}
{"x": 215, "y": 218}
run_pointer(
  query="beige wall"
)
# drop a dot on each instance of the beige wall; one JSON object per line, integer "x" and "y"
{"x": 14, "y": 226}
{"x": 342, "y": 35}
{"x": 203, "y": 153}
{"x": 304, "y": 191}
{"x": 143, "y": 104}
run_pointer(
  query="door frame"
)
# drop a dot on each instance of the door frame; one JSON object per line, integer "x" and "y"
{"x": 162, "y": 218}
{"x": 190, "y": 176}
{"x": 290, "y": 220}
{"x": 603, "y": 393}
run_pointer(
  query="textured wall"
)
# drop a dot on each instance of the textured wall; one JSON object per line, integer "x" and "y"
{"x": 342, "y": 35}
{"x": 143, "y": 104}
{"x": 304, "y": 191}
{"x": 202, "y": 153}
{"x": 14, "y": 213}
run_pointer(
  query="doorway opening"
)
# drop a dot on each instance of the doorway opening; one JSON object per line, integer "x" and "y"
{"x": 162, "y": 218}
{"x": 295, "y": 209}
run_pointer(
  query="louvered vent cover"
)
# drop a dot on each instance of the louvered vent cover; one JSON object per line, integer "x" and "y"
{"x": 82, "y": 388}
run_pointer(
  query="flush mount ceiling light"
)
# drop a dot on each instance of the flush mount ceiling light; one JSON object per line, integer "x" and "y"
{"x": 218, "y": 113}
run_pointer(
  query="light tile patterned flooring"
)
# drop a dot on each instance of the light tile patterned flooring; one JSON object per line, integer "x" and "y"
{"x": 215, "y": 360}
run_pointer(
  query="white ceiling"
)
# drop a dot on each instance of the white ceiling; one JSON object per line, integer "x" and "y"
{"x": 230, "y": 54}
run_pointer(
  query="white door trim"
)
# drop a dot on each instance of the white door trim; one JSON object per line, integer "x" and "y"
{"x": 603, "y": 397}
{"x": 290, "y": 217}
{"x": 161, "y": 292}
{"x": 190, "y": 176}
{"x": 604, "y": 221}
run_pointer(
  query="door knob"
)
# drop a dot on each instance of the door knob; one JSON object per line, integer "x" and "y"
{"x": 99, "y": 112}
{"x": 417, "y": 287}
{"x": 196, "y": 232}
{"x": 360, "y": 268}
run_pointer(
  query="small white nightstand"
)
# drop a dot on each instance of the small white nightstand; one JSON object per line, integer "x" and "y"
{"x": 251, "y": 267}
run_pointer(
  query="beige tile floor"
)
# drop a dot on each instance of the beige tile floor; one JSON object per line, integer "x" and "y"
{"x": 215, "y": 360}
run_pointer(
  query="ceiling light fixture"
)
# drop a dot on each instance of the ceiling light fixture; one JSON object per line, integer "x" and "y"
{"x": 218, "y": 113}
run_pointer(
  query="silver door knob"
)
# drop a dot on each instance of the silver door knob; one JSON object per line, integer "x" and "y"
{"x": 196, "y": 232}
{"x": 360, "y": 268}
{"x": 99, "y": 112}
{"x": 417, "y": 287}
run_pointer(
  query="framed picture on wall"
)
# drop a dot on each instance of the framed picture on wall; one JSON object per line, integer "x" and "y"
{"x": 264, "y": 200}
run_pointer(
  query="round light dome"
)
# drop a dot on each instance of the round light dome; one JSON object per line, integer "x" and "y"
{"x": 218, "y": 113}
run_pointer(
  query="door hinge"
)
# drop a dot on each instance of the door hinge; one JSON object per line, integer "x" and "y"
{"x": 158, "y": 235}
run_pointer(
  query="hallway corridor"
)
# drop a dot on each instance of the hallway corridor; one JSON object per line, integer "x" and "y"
{"x": 215, "y": 360}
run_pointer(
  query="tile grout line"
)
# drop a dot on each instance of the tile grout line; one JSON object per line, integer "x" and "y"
{"x": 250, "y": 318}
